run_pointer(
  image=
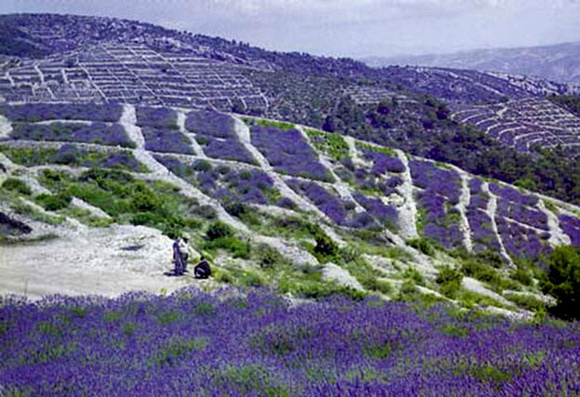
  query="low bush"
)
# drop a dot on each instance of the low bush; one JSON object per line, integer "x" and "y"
{"x": 423, "y": 245}
{"x": 528, "y": 302}
{"x": 218, "y": 230}
{"x": 268, "y": 257}
{"x": 415, "y": 275}
{"x": 522, "y": 276}
{"x": 17, "y": 185}
{"x": 449, "y": 280}
{"x": 52, "y": 202}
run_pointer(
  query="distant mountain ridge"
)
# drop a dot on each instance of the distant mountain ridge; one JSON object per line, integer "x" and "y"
{"x": 560, "y": 62}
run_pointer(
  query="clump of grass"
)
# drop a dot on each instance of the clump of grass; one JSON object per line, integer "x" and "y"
{"x": 332, "y": 144}
{"x": 269, "y": 123}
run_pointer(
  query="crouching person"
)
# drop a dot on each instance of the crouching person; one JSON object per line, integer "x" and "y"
{"x": 202, "y": 269}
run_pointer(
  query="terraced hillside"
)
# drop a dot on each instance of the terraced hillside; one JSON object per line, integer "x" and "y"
{"x": 524, "y": 123}
{"x": 132, "y": 73}
{"x": 64, "y": 58}
{"x": 354, "y": 213}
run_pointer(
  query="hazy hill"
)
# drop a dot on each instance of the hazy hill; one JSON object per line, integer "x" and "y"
{"x": 559, "y": 62}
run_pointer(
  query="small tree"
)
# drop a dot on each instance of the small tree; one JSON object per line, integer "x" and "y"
{"x": 563, "y": 281}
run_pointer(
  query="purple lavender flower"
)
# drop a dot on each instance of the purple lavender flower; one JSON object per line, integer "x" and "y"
{"x": 42, "y": 111}
{"x": 156, "y": 117}
{"x": 97, "y": 132}
{"x": 288, "y": 153}
{"x": 255, "y": 343}
{"x": 210, "y": 123}
{"x": 166, "y": 141}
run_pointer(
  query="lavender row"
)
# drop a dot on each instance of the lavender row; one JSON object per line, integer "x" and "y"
{"x": 512, "y": 194}
{"x": 210, "y": 123}
{"x": 289, "y": 153}
{"x": 341, "y": 212}
{"x": 429, "y": 176}
{"x": 522, "y": 214}
{"x": 441, "y": 220}
{"x": 384, "y": 214}
{"x": 226, "y": 149}
{"x": 229, "y": 344}
{"x": 156, "y": 117}
{"x": 41, "y": 112}
{"x": 482, "y": 233}
{"x": 70, "y": 154}
{"x": 166, "y": 140}
{"x": 479, "y": 198}
{"x": 97, "y": 132}
{"x": 370, "y": 181}
{"x": 383, "y": 162}
{"x": 225, "y": 183}
{"x": 214, "y": 131}
{"x": 522, "y": 241}
{"x": 571, "y": 226}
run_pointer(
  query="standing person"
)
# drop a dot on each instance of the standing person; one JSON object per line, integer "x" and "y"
{"x": 184, "y": 251}
{"x": 178, "y": 257}
{"x": 202, "y": 269}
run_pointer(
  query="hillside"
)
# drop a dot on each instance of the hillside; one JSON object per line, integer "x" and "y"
{"x": 554, "y": 62}
{"x": 301, "y": 210}
{"x": 106, "y": 60}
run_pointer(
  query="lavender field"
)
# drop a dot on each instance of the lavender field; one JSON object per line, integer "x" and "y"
{"x": 227, "y": 344}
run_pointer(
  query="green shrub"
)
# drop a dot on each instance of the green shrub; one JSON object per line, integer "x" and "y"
{"x": 53, "y": 175}
{"x": 563, "y": 281}
{"x": 17, "y": 185}
{"x": 528, "y": 302}
{"x": 202, "y": 165}
{"x": 319, "y": 290}
{"x": 414, "y": 275}
{"x": 238, "y": 248}
{"x": 476, "y": 269}
{"x": 449, "y": 280}
{"x": 144, "y": 199}
{"x": 250, "y": 279}
{"x": 408, "y": 292}
{"x": 268, "y": 257}
{"x": 52, "y": 202}
{"x": 490, "y": 258}
{"x": 222, "y": 276}
{"x": 325, "y": 248}
{"x": 523, "y": 276}
{"x": 218, "y": 230}
{"x": 423, "y": 245}
{"x": 378, "y": 285}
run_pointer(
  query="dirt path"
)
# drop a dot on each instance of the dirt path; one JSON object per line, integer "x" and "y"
{"x": 181, "y": 117}
{"x": 557, "y": 235}
{"x": 104, "y": 261}
{"x": 5, "y": 127}
{"x": 464, "y": 200}
{"x": 492, "y": 213}
{"x": 408, "y": 211}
